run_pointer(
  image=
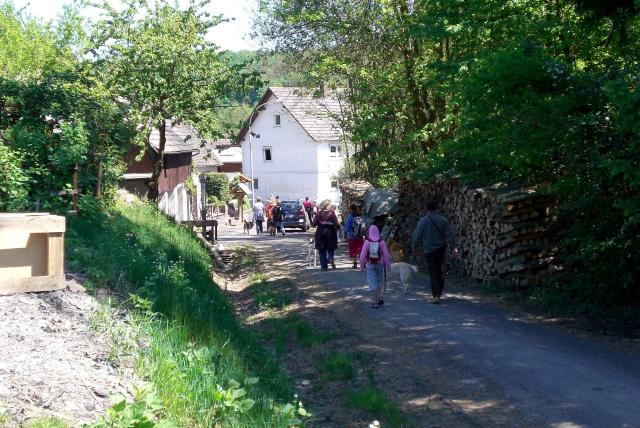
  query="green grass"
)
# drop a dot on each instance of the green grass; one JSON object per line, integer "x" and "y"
{"x": 201, "y": 361}
{"x": 307, "y": 336}
{"x": 267, "y": 293}
{"x": 47, "y": 422}
{"x": 338, "y": 367}
{"x": 371, "y": 400}
{"x": 291, "y": 327}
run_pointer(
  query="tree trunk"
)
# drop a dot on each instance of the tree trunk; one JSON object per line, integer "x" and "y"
{"x": 99, "y": 179}
{"x": 158, "y": 162}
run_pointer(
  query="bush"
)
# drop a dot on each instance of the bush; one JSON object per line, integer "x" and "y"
{"x": 217, "y": 187}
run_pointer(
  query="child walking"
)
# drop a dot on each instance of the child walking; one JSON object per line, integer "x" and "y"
{"x": 374, "y": 257}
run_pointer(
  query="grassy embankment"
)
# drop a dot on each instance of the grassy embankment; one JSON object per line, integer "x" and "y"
{"x": 206, "y": 369}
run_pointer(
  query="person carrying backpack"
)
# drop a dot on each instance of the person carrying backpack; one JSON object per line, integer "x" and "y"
{"x": 277, "y": 214}
{"x": 434, "y": 233}
{"x": 356, "y": 230}
{"x": 258, "y": 215}
{"x": 326, "y": 237}
{"x": 374, "y": 257}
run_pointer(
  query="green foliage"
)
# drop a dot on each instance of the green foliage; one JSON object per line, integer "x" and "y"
{"x": 54, "y": 113}
{"x": 146, "y": 411}
{"x": 14, "y": 188}
{"x": 73, "y": 146}
{"x": 27, "y": 48}
{"x": 217, "y": 187}
{"x": 202, "y": 363}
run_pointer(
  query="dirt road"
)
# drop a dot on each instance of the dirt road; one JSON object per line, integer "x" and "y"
{"x": 492, "y": 365}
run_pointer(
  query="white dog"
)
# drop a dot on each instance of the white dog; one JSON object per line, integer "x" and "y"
{"x": 312, "y": 253}
{"x": 405, "y": 272}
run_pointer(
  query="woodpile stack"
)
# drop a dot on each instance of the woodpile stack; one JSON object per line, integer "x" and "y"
{"x": 502, "y": 231}
{"x": 352, "y": 193}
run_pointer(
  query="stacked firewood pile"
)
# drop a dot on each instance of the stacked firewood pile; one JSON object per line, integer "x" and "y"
{"x": 352, "y": 193}
{"x": 502, "y": 231}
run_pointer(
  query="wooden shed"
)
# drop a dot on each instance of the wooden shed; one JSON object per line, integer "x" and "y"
{"x": 31, "y": 252}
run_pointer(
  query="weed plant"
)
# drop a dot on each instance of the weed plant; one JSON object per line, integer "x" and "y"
{"x": 206, "y": 368}
{"x": 338, "y": 367}
{"x": 47, "y": 422}
{"x": 371, "y": 400}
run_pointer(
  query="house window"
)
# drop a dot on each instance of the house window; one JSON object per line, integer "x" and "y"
{"x": 335, "y": 151}
{"x": 334, "y": 184}
{"x": 266, "y": 153}
{"x": 277, "y": 120}
{"x": 255, "y": 183}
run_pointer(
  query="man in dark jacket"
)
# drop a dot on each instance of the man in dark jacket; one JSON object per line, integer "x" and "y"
{"x": 434, "y": 233}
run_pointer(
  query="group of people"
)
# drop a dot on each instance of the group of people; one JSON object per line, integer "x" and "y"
{"x": 271, "y": 212}
{"x": 433, "y": 235}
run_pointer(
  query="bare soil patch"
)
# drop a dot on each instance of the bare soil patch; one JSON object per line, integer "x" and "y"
{"x": 51, "y": 362}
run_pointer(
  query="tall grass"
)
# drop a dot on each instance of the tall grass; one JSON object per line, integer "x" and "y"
{"x": 207, "y": 369}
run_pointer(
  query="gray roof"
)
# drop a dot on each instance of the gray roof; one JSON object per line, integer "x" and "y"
{"x": 207, "y": 155}
{"x": 317, "y": 115}
{"x": 181, "y": 138}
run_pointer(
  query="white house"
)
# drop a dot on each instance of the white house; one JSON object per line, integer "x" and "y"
{"x": 293, "y": 145}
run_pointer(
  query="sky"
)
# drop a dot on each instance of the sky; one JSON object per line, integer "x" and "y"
{"x": 233, "y": 35}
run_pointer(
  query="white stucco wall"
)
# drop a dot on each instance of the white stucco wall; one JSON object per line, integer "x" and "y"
{"x": 328, "y": 169}
{"x": 293, "y": 171}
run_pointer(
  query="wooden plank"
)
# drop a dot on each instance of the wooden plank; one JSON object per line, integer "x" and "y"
{"x": 200, "y": 223}
{"x": 33, "y": 284}
{"x": 33, "y": 223}
{"x": 55, "y": 254}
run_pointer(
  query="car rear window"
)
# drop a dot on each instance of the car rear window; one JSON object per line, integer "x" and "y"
{"x": 291, "y": 206}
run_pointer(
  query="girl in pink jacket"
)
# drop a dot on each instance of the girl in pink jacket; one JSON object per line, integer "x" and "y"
{"x": 374, "y": 257}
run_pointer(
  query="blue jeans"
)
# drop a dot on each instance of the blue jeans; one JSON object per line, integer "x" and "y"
{"x": 375, "y": 275}
{"x": 326, "y": 255}
{"x": 259, "y": 227}
{"x": 279, "y": 227}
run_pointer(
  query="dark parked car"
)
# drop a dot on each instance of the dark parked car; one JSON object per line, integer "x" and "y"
{"x": 295, "y": 217}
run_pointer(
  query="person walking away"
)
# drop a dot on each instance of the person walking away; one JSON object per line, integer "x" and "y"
{"x": 308, "y": 207}
{"x": 277, "y": 214}
{"x": 326, "y": 237}
{"x": 355, "y": 229}
{"x": 374, "y": 258}
{"x": 258, "y": 215}
{"x": 434, "y": 233}
{"x": 267, "y": 210}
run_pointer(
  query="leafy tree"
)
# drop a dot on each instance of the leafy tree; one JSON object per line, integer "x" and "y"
{"x": 54, "y": 114}
{"x": 158, "y": 61}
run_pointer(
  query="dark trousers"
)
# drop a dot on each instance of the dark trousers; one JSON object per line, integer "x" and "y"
{"x": 435, "y": 262}
{"x": 259, "y": 227}
{"x": 326, "y": 255}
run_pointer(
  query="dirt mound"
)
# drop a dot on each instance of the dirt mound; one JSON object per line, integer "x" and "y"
{"x": 51, "y": 362}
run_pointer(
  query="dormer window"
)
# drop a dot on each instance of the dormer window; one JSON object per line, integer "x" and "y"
{"x": 335, "y": 151}
{"x": 277, "y": 120}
